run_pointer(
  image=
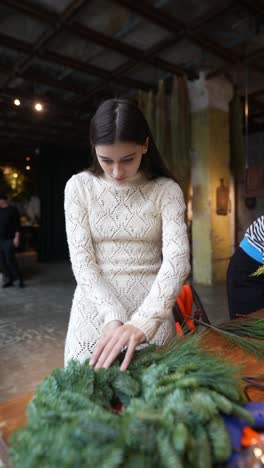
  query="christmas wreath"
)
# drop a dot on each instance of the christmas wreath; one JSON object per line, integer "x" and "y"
{"x": 172, "y": 403}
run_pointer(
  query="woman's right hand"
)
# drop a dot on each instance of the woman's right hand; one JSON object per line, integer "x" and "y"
{"x": 125, "y": 337}
{"x": 107, "y": 334}
{"x": 110, "y": 327}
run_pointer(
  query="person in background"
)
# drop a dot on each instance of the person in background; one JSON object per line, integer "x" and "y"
{"x": 128, "y": 241}
{"x": 246, "y": 292}
{"x": 33, "y": 209}
{"x": 9, "y": 241}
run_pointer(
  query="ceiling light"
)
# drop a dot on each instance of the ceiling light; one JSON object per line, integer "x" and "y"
{"x": 17, "y": 102}
{"x": 38, "y": 107}
{"x": 28, "y": 168}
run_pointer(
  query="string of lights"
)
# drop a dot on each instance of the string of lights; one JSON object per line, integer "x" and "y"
{"x": 38, "y": 106}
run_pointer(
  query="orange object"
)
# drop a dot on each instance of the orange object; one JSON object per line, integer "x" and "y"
{"x": 185, "y": 303}
{"x": 249, "y": 437}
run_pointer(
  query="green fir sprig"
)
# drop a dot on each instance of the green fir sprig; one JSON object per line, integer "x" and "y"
{"x": 239, "y": 336}
{"x": 253, "y": 327}
{"x": 258, "y": 272}
{"x": 173, "y": 401}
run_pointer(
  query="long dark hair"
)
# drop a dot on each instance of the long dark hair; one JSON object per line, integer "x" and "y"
{"x": 120, "y": 120}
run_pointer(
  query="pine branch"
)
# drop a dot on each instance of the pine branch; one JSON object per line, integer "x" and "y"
{"x": 258, "y": 272}
{"x": 254, "y": 347}
{"x": 252, "y": 328}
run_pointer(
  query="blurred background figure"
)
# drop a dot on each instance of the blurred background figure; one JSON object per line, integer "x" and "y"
{"x": 9, "y": 241}
{"x": 246, "y": 292}
{"x": 33, "y": 209}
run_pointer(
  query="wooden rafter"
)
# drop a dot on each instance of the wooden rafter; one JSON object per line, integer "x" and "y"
{"x": 212, "y": 14}
{"x": 79, "y": 30}
{"x": 38, "y": 77}
{"x": 157, "y": 16}
{"x": 178, "y": 30}
{"x": 74, "y": 64}
{"x": 23, "y": 63}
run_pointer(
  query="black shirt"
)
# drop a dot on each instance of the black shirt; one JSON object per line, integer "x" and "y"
{"x": 9, "y": 222}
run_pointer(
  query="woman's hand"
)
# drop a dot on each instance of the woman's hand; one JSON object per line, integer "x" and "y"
{"x": 110, "y": 346}
{"x": 107, "y": 334}
{"x": 111, "y": 327}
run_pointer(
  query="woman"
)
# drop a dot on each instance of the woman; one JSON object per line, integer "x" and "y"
{"x": 246, "y": 292}
{"x": 127, "y": 240}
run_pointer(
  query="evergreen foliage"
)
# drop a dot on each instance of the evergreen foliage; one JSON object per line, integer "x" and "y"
{"x": 173, "y": 400}
{"x": 259, "y": 271}
{"x": 239, "y": 332}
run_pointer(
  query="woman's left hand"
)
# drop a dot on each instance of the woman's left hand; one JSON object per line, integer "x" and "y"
{"x": 125, "y": 336}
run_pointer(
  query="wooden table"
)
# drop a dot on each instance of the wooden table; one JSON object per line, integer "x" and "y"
{"x": 250, "y": 366}
{"x": 13, "y": 412}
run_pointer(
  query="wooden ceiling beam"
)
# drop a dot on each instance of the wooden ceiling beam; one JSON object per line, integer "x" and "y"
{"x": 244, "y": 61}
{"x": 71, "y": 10}
{"x": 154, "y": 15}
{"x": 15, "y": 44}
{"x": 132, "y": 64}
{"x": 82, "y": 31}
{"x": 93, "y": 70}
{"x": 40, "y": 78}
{"x": 150, "y": 13}
{"x": 212, "y": 46}
{"x": 29, "y": 8}
{"x": 101, "y": 39}
{"x": 256, "y": 9}
{"x": 56, "y": 58}
{"x": 241, "y": 63}
{"x": 143, "y": 9}
{"x": 157, "y": 16}
{"x": 136, "y": 54}
{"x": 48, "y": 34}
{"x": 118, "y": 46}
{"x": 212, "y": 14}
{"x": 59, "y": 84}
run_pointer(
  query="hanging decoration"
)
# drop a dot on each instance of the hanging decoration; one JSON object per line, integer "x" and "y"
{"x": 222, "y": 198}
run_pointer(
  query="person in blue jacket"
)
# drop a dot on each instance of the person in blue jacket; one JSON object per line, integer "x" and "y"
{"x": 246, "y": 292}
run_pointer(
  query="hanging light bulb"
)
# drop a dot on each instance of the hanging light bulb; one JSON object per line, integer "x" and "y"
{"x": 38, "y": 106}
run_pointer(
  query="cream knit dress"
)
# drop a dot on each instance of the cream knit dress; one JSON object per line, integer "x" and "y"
{"x": 130, "y": 256}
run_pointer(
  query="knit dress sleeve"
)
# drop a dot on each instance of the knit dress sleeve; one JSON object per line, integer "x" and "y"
{"x": 86, "y": 271}
{"x": 175, "y": 266}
